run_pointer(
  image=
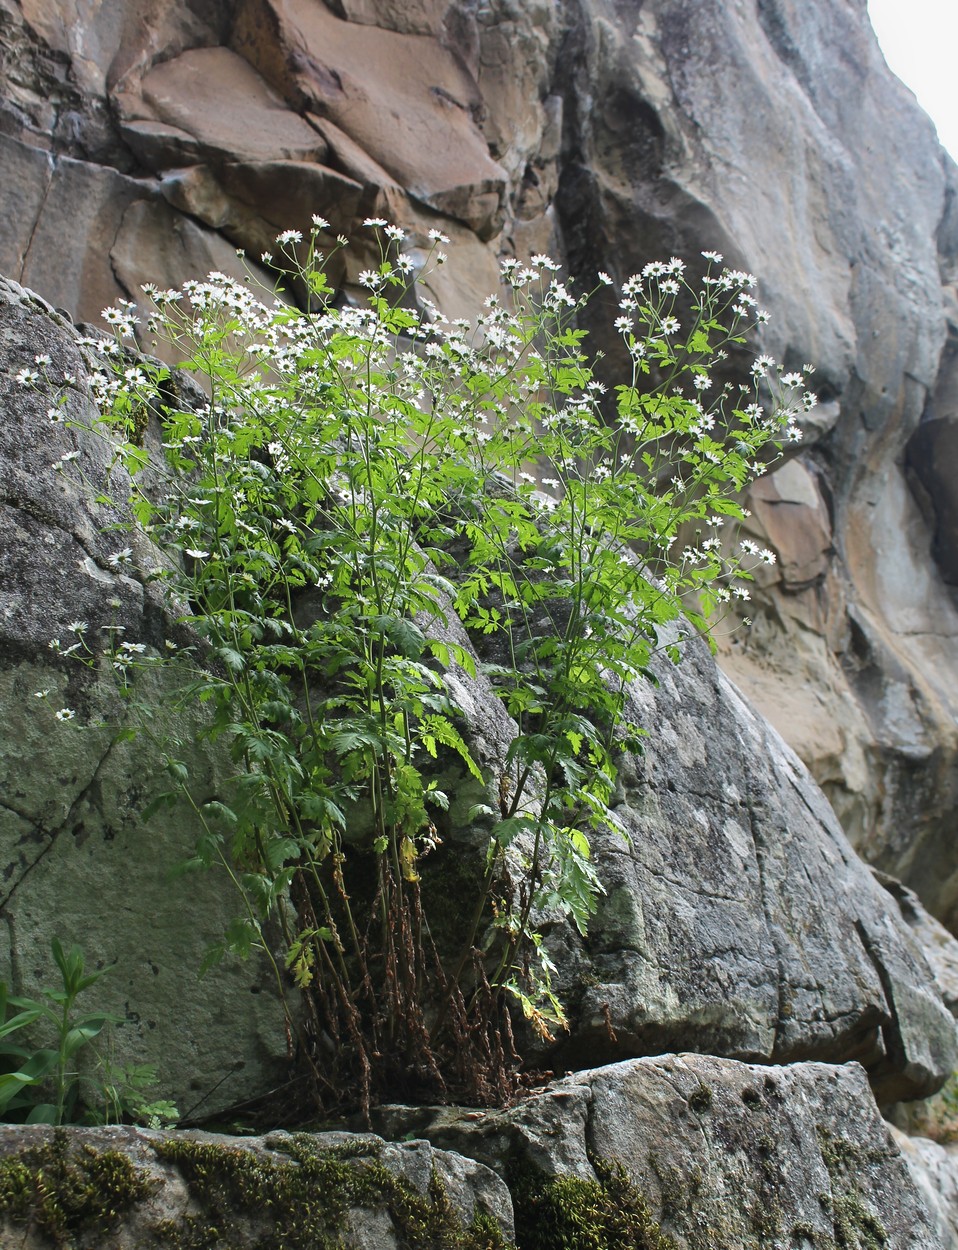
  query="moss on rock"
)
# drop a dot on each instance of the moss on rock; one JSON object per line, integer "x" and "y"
{"x": 295, "y": 1195}
{"x": 304, "y": 1203}
{"x": 856, "y": 1227}
{"x": 570, "y": 1213}
{"x": 68, "y": 1196}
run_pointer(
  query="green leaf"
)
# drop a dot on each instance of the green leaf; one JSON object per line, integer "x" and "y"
{"x": 21, "y": 1020}
{"x": 437, "y": 729}
{"x": 83, "y": 1033}
{"x": 43, "y": 1113}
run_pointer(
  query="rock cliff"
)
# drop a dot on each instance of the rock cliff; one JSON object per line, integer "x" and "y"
{"x": 158, "y": 138}
{"x": 147, "y": 142}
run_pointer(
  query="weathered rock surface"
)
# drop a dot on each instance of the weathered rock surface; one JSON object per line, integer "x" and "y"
{"x": 727, "y": 1154}
{"x": 403, "y": 98}
{"x": 770, "y": 129}
{"x": 245, "y": 1193}
{"x": 934, "y": 1169}
{"x": 79, "y": 862}
{"x": 737, "y": 919}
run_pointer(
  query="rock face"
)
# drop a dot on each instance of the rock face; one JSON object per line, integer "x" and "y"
{"x": 156, "y": 137}
{"x": 79, "y": 862}
{"x": 726, "y": 1154}
{"x": 148, "y": 141}
{"x": 934, "y": 1169}
{"x": 134, "y": 1187}
{"x": 936, "y": 943}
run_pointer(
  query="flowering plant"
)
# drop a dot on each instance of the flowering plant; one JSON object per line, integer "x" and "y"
{"x": 376, "y": 507}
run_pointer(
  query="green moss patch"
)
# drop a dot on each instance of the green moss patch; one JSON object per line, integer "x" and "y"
{"x": 568, "y": 1213}
{"x": 69, "y": 1197}
{"x": 305, "y": 1203}
{"x": 856, "y": 1228}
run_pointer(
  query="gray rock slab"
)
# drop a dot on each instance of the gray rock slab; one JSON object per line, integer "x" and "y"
{"x": 737, "y": 917}
{"x": 934, "y": 1168}
{"x": 726, "y": 1154}
{"x": 78, "y": 861}
{"x": 174, "y": 1199}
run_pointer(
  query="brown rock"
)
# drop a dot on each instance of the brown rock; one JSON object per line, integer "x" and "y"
{"x": 160, "y": 146}
{"x": 410, "y": 17}
{"x": 404, "y": 99}
{"x": 521, "y": 119}
{"x": 791, "y": 510}
{"x": 460, "y": 285}
{"x": 285, "y": 194}
{"x": 351, "y": 158}
{"x": 115, "y": 38}
{"x": 231, "y": 113}
{"x": 59, "y": 199}
{"x": 158, "y": 245}
{"x": 251, "y": 203}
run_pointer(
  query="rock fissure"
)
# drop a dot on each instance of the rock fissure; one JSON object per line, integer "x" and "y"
{"x": 25, "y": 258}
{"x": 24, "y": 815}
{"x": 771, "y": 928}
{"x": 891, "y": 1028}
{"x": 51, "y": 835}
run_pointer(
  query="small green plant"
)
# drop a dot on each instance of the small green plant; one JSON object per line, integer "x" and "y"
{"x": 125, "y": 1093}
{"x": 53, "y": 1067}
{"x": 374, "y": 508}
{"x": 45, "y": 1085}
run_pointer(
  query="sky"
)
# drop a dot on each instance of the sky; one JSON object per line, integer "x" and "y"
{"x": 919, "y": 39}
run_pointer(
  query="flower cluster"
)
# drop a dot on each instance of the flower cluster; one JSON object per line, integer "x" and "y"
{"x": 362, "y": 468}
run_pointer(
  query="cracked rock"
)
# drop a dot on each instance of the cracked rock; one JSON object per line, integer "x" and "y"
{"x": 78, "y": 861}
